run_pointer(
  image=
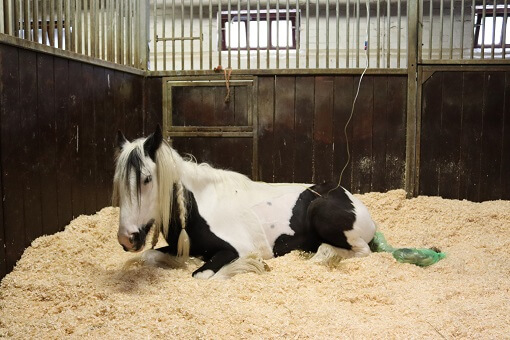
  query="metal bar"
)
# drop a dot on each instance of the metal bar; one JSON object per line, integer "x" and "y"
{"x": 451, "y": 29}
{"x": 121, "y": 15}
{"x": 191, "y": 34}
{"x": 229, "y": 39}
{"x": 287, "y": 21}
{"x": 44, "y": 21}
{"x": 388, "y": 34}
{"x": 441, "y": 20}
{"x": 17, "y": 18}
{"x": 298, "y": 32}
{"x": 503, "y": 38}
{"x": 182, "y": 34}
{"x": 268, "y": 23}
{"x": 317, "y": 34}
{"x": 173, "y": 35}
{"x": 347, "y": 32}
{"x": 59, "y": 24}
{"x": 277, "y": 34}
{"x": 129, "y": 37}
{"x": 220, "y": 35}
{"x": 136, "y": 36}
{"x": 473, "y": 42}
{"x": 9, "y": 22}
{"x": 103, "y": 29}
{"x": 35, "y": 19}
{"x": 337, "y": 34}
{"x": 462, "y": 21}
{"x": 367, "y": 35}
{"x": 210, "y": 35}
{"x": 494, "y": 9}
{"x": 258, "y": 34}
{"x": 238, "y": 34}
{"x": 67, "y": 9}
{"x": 86, "y": 27}
{"x": 163, "y": 33}
{"x": 248, "y": 45}
{"x": 52, "y": 23}
{"x": 93, "y": 27}
{"x": 483, "y": 29}
{"x": 155, "y": 35}
{"x": 399, "y": 23}
{"x": 378, "y": 41}
{"x": 357, "y": 32}
{"x": 26, "y": 19}
{"x": 2, "y": 16}
{"x": 200, "y": 20}
{"x": 307, "y": 33}
{"x": 327, "y": 33}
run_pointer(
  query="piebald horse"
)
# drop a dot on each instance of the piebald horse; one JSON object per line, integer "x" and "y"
{"x": 223, "y": 217}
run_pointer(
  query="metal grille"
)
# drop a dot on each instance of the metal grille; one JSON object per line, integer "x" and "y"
{"x": 112, "y": 30}
{"x": 189, "y": 35}
{"x": 463, "y": 29}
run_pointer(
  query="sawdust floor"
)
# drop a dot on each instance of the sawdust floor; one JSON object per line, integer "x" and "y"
{"x": 71, "y": 285}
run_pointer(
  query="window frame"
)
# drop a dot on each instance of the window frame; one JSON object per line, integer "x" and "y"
{"x": 282, "y": 15}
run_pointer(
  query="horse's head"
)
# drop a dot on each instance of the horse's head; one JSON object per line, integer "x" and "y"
{"x": 136, "y": 188}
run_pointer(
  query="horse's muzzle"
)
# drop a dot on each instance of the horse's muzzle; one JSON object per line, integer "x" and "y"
{"x": 137, "y": 239}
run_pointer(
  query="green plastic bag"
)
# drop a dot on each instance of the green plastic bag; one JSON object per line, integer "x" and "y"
{"x": 418, "y": 256}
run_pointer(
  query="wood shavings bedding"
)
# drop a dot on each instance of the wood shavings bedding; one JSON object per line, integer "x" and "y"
{"x": 71, "y": 285}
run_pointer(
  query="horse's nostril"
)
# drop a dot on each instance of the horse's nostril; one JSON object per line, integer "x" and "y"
{"x": 125, "y": 248}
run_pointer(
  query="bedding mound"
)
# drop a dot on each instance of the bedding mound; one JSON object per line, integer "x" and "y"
{"x": 71, "y": 284}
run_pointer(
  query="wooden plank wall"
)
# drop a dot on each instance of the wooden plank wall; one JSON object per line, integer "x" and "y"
{"x": 301, "y": 130}
{"x": 465, "y": 135}
{"x": 58, "y": 124}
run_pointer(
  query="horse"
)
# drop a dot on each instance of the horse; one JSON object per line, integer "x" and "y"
{"x": 222, "y": 217}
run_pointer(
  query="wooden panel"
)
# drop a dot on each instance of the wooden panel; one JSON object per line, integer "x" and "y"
{"x": 265, "y": 106}
{"x": 396, "y": 133}
{"x": 212, "y": 150}
{"x": 380, "y": 131}
{"x": 505, "y": 165}
{"x": 14, "y": 232}
{"x": 283, "y": 143}
{"x": 323, "y": 130}
{"x": 75, "y": 110}
{"x": 241, "y": 104}
{"x": 471, "y": 147}
{"x": 344, "y": 95}
{"x": 153, "y": 104}
{"x": 103, "y": 159}
{"x": 111, "y": 131}
{"x": 451, "y": 122}
{"x": 362, "y": 136}
{"x": 86, "y": 138}
{"x": 64, "y": 141}
{"x": 120, "y": 98}
{"x": 492, "y": 136}
{"x": 30, "y": 153}
{"x": 133, "y": 105}
{"x": 47, "y": 133}
{"x": 304, "y": 110}
{"x": 430, "y": 135}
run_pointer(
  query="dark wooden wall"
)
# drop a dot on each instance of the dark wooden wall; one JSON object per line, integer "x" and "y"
{"x": 58, "y": 122}
{"x": 465, "y": 135}
{"x": 301, "y": 130}
{"x": 301, "y": 122}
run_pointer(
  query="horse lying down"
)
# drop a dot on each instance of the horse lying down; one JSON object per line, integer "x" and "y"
{"x": 226, "y": 219}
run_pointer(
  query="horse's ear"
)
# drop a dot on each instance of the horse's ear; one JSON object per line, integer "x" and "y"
{"x": 121, "y": 140}
{"x": 153, "y": 142}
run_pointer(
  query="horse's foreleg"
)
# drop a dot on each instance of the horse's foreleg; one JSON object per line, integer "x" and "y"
{"x": 212, "y": 266}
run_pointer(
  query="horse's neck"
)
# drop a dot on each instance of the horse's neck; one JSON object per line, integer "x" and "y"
{"x": 190, "y": 174}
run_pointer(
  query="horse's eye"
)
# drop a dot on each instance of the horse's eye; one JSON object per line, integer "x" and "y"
{"x": 148, "y": 179}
